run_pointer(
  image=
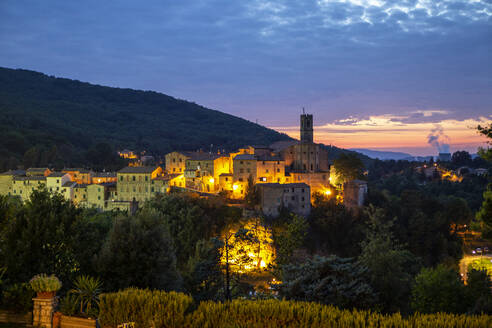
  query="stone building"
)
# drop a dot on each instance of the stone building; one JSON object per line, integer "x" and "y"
{"x": 79, "y": 175}
{"x": 23, "y": 186}
{"x": 354, "y": 193}
{"x": 7, "y": 180}
{"x": 135, "y": 183}
{"x": 38, "y": 172}
{"x": 296, "y": 197}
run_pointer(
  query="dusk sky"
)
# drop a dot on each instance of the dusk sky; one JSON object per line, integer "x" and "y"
{"x": 375, "y": 74}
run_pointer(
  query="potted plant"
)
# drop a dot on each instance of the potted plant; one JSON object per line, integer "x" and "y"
{"x": 79, "y": 307}
{"x": 45, "y": 286}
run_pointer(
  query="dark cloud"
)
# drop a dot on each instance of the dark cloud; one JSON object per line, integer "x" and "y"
{"x": 266, "y": 59}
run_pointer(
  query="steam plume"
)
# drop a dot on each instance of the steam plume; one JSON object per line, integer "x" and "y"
{"x": 438, "y": 139}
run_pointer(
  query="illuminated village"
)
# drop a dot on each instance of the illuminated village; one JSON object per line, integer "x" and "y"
{"x": 286, "y": 173}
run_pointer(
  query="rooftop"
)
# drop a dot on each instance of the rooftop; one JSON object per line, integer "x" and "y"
{"x": 35, "y": 178}
{"x": 201, "y": 156}
{"x": 76, "y": 169}
{"x": 283, "y": 185}
{"x": 245, "y": 157}
{"x": 37, "y": 169}
{"x": 104, "y": 175}
{"x": 270, "y": 158}
{"x": 138, "y": 169}
{"x": 56, "y": 175}
{"x": 14, "y": 172}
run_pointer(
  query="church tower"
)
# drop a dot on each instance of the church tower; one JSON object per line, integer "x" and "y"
{"x": 306, "y": 128}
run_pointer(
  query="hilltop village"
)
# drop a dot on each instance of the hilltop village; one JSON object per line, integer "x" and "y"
{"x": 286, "y": 174}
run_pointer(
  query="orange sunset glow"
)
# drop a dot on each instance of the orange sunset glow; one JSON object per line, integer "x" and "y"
{"x": 390, "y": 132}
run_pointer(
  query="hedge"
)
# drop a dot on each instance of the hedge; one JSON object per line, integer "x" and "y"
{"x": 160, "y": 309}
{"x": 144, "y": 307}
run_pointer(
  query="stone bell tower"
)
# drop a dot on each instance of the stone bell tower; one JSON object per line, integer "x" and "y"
{"x": 306, "y": 127}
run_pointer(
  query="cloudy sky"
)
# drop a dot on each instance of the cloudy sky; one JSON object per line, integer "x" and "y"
{"x": 376, "y": 74}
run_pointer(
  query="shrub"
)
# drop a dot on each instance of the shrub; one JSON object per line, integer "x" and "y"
{"x": 160, "y": 309}
{"x": 285, "y": 314}
{"x": 17, "y": 297}
{"x": 86, "y": 291}
{"x": 45, "y": 283}
{"x": 69, "y": 305}
{"x": 144, "y": 307}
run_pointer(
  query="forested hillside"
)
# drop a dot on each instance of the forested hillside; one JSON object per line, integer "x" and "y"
{"x": 54, "y": 121}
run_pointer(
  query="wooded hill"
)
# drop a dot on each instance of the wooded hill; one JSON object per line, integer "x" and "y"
{"x": 49, "y": 121}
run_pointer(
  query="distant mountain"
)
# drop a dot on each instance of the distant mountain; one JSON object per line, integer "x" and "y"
{"x": 383, "y": 155}
{"x": 47, "y": 120}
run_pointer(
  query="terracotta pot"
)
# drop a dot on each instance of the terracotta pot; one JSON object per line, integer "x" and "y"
{"x": 46, "y": 294}
{"x": 56, "y": 319}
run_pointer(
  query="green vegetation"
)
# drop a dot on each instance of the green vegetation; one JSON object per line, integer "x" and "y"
{"x": 159, "y": 309}
{"x": 145, "y": 308}
{"x": 44, "y": 283}
{"x": 48, "y": 121}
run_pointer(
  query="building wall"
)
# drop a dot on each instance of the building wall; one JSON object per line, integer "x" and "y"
{"x": 81, "y": 177}
{"x": 96, "y": 196}
{"x": 54, "y": 184}
{"x": 134, "y": 186}
{"x": 318, "y": 182}
{"x": 80, "y": 196}
{"x": 6, "y": 184}
{"x": 242, "y": 169}
{"x": 25, "y": 186}
{"x": 295, "y": 197}
{"x": 270, "y": 171}
{"x": 175, "y": 162}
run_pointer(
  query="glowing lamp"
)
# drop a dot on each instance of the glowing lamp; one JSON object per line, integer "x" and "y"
{"x": 234, "y": 187}
{"x": 328, "y": 192}
{"x": 211, "y": 180}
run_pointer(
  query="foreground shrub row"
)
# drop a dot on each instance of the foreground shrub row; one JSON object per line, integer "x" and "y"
{"x": 160, "y": 309}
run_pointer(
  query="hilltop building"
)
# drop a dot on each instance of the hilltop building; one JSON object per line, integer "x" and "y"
{"x": 286, "y": 174}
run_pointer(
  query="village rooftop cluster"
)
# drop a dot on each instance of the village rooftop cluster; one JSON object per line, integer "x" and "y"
{"x": 286, "y": 173}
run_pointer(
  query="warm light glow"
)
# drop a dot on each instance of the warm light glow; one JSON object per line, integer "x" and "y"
{"x": 397, "y": 133}
{"x": 234, "y": 187}
{"x": 211, "y": 180}
{"x": 247, "y": 255}
{"x": 328, "y": 192}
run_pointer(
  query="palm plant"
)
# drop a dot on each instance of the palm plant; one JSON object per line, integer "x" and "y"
{"x": 86, "y": 291}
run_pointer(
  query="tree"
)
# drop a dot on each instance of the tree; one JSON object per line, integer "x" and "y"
{"x": 484, "y": 215}
{"x": 90, "y": 232}
{"x": 487, "y": 132}
{"x": 39, "y": 238}
{"x": 251, "y": 197}
{"x": 478, "y": 291}
{"x": 391, "y": 268}
{"x": 461, "y": 158}
{"x": 139, "y": 252}
{"x": 438, "y": 289}
{"x": 328, "y": 280}
{"x": 290, "y": 239}
{"x": 203, "y": 277}
{"x": 190, "y": 219}
{"x": 347, "y": 167}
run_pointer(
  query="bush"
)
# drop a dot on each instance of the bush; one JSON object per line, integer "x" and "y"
{"x": 273, "y": 313}
{"x": 438, "y": 289}
{"x": 160, "y": 309}
{"x": 144, "y": 307}
{"x": 17, "y": 298}
{"x": 44, "y": 283}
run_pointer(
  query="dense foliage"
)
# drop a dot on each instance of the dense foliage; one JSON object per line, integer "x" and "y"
{"x": 158, "y": 309}
{"x": 54, "y": 121}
